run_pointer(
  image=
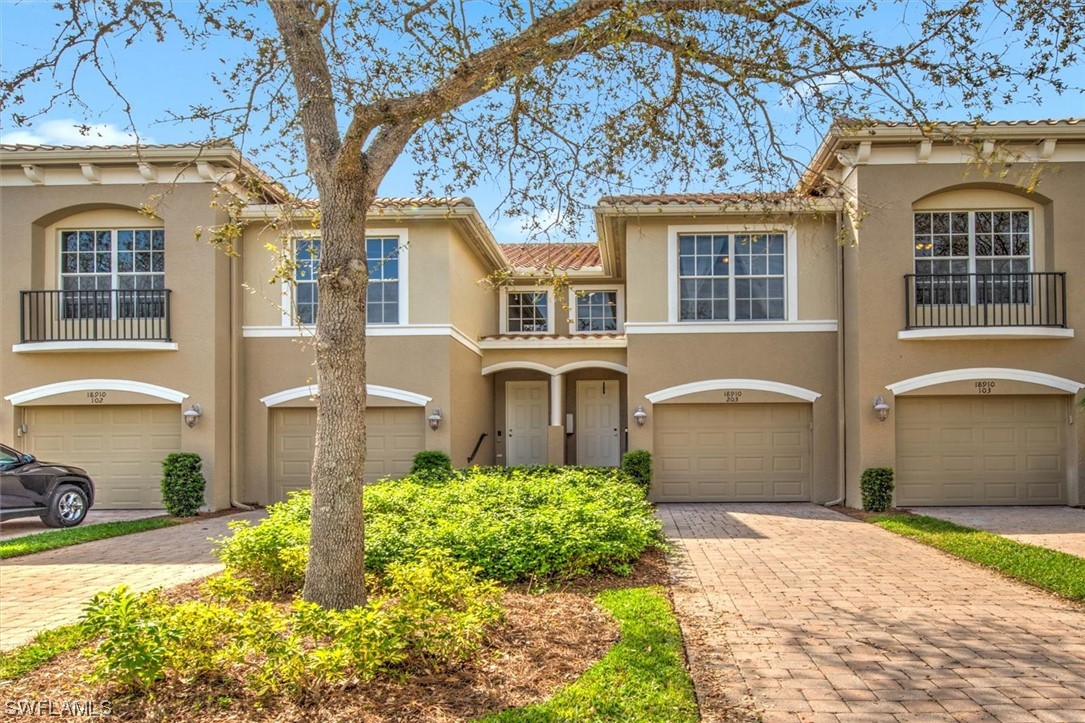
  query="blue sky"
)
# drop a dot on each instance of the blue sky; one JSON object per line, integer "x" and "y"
{"x": 163, "y": 76}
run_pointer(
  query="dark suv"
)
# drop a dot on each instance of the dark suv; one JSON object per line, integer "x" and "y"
{"x": 58, "y": 493}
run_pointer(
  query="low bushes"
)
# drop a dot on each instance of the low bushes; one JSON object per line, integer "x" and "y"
{"x": 421, "y": 616}
{"x": 182, "y": 484}
{"x": 523, "y": 523}
{"x": 877, "y": 486}
{"x": 432, "y": 464}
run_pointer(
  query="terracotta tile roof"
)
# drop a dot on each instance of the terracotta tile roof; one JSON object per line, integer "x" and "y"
{"x": 121, "y": 147}
{"x": 427, "y": 201}
{"x": 564, "y": 256}
{"x": 969, "y": 124}
{"x": 696, "y": 199}
{"x": 554, "y": 337}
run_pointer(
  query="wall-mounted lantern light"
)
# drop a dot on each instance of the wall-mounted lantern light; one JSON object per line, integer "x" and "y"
{"x": 434, "y": 419}
{"x": 192, "y": 414}
{"x": 881, "y": 409}
{"x": 640, "y": 416}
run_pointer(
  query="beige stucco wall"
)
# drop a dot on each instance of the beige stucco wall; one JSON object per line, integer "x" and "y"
{"x": 647, "y": 261}
{"x": 196, "y": 273}
{"x": 875, "y": 294}
{"x": 807, "y": 360}
{"x": 472, "y": 306}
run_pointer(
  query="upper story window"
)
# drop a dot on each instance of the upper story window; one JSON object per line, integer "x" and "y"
{"x": 732, "y": 276}
{"x": 118, "y": 273}
{"x": 981, "y": 255}
{"x": 528, "y": 312}
{"x": 596, "y": 309}
{"x": 383, "y": 256}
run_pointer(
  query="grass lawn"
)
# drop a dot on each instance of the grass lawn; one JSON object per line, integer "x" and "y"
{"x": 51, "y": 540}
{"x": 642, "y": 678}
{"x": 1058, "y": 572}
{"x": 44, "y": 647}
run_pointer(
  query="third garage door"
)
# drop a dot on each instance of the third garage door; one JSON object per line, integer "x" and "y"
{"x": 994, "y": 450}
{"x": 732, "y": 452}
{"x": 393, "y": 436}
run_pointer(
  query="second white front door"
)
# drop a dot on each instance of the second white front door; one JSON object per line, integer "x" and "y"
{"x": 526, "y": 409}
{"x": 597, "y": 412}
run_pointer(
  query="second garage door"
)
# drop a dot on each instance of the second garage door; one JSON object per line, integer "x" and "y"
{"x": 394, "y": 435}
{"x": 732, "y": 452}
{"x": 121, "y": 446}
{"x": 996, "y": 450}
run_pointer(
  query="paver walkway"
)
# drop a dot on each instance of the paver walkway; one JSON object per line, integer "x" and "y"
{"x": 1059, "y": 528}
{"x": 821, "y": 617}
{"x": 49, "y": 589}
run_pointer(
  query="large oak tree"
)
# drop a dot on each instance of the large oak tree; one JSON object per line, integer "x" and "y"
{"x": 556, "y": 99}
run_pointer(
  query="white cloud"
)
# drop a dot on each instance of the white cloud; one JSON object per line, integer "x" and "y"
{"x": 68, "y": 131}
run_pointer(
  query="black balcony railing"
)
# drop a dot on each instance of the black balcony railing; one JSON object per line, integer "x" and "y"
{"x": 95, "y": 315}
{"x": 941, "y": 301}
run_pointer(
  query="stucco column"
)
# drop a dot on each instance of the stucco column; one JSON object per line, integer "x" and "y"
{"x": 555, "y": 433}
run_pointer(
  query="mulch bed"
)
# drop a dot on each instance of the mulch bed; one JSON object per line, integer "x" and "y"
{"x": 547, "y": 640}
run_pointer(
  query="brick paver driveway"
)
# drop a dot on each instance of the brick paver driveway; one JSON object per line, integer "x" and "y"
{"x": 822, "y": 617}
{"x": 1060, "y": 528}
{"x": 49, "y": 589}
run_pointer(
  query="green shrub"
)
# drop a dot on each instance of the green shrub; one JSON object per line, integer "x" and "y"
{"x": 877, "y": 486}
{"x": 424, "y": 615}
{"x": 431, "y": 463}
{"x": 523, "y": 523}
{"x": 274, "y": 552}
{"x": 637, "y": 463}
{"x": 182, "y": 484}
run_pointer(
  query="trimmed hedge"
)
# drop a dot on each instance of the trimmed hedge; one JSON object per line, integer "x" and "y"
{"x": 182, "y": 484}
{"x": 637, "y": 463}
{"x": 877, "y": 486}
{"x": 432, "y": 463}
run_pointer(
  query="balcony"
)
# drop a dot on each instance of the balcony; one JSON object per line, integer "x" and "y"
{"x": 95, "y": 318}
{"x": 985, "y": 305}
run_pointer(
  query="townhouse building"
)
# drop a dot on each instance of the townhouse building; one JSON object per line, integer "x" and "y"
{"x": 911, "y": 304}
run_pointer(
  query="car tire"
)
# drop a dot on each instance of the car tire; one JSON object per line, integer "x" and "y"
{"x": 67, "y": 507}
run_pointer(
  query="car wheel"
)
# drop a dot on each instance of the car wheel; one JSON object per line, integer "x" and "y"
{"x": 67, "y": 507}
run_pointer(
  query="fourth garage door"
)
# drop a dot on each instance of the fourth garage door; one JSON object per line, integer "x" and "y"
{"x": 393, "y": 436}
{"x": 995, "y": 450}
{"x": 732, "y": 452}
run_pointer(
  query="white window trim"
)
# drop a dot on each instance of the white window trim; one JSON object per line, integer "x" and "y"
{"x": 286, "y": 293}
{"x": 972, "y": 258}
{"x": 791, "y": 268}
{"x": 114, "y": 274}
{"x": 506, "y": 290}
{"x": 619, "y": 291}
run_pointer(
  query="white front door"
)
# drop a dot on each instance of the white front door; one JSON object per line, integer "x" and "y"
{"x": 597, "y": 441}
{"x": 526, "y": 406}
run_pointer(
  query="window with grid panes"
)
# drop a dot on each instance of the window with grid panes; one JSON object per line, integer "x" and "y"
{"x": 382, "y": 295}
{"x": 732, "y": 276}
{"x": 527, "y": 312}
{"x": 966, "y": 255}
{"x": 596, "y": 311}
{"x": 113, "y": 273}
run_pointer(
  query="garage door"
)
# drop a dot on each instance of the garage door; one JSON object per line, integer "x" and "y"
{"x": 394, "y": 435}
{"x": 122, "y": 447}
{"x": 1007, "y": 450}
{"x": 732, "y": 452}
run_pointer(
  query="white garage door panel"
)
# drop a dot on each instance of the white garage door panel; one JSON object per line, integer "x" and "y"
{"x": 738, "y": 452}
{"x": 122, "y": 447}
{"x": 1007, "y": 450}
{"x": 394, "y": 435}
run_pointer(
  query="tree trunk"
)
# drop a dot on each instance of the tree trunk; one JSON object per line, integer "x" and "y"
{"x": 336, "y": 574}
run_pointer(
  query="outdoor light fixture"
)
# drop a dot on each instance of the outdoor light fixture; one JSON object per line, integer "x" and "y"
{"x": 192, "y": 414}
{"x": 881, "y": 409}
{"x": 640, "y": 415}
{"x": 434, "y": 419}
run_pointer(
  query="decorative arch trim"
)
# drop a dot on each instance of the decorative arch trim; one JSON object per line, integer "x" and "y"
{"x": 89, "y": 385}
{"x": 963, "y": 375}
{"x": 555, "y": 371}
{"x": 709, "y": 385}
{"x": 373, "y": 390}
{"x": 573, "y": 366}
{"x": 505, "y": 366}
